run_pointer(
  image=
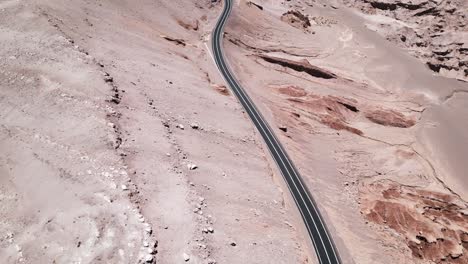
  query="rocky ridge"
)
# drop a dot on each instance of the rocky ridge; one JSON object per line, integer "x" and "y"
{"x": 436, "y": 32}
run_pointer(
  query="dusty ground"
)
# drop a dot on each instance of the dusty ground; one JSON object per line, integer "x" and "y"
{"x": 376, "y": 135}
{"x": 121, "y": 144}
{"x": 103, "y": 107}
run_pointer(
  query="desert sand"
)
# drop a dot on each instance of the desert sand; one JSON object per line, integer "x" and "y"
{"x": 120, "y": 142}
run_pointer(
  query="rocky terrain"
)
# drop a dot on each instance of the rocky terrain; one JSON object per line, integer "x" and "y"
{"x": 359, "y": 117}
{"x": 436, "y": 32}
{"x": 122, "y": 144}
{"x": 433, "y": 224}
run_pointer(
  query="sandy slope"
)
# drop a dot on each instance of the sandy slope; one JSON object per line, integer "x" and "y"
{"x": 364, "y": 119}
{"x": 94, "y": 162}
{"x": 60, "y": 176}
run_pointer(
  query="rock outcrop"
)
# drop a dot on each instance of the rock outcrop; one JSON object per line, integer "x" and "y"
{"x": 296, "y": 19}
{"x": 300, "y": 66}
{"x": 434, "y": 31}
{"x": 434, "y": 225}
{"x": 389, "y": 118}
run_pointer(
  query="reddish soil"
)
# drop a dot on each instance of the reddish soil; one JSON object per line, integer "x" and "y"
{"x": 328, "y": 111}
{"x": 331, "y": 111}
{"x": 389, "y": 118}
{"x": 337, "y": 112}
{"x": 338, "y": 124}
{"x": 222, "y": 89}
{"x": 329, "y": 105}
{"x": 434, "y": 224}
{"x": 292, "y": 91}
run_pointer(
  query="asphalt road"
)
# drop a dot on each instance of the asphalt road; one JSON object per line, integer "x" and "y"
{"x": 321, "y": 239}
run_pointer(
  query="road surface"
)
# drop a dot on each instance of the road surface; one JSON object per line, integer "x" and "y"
{"x": 321, "y": 239}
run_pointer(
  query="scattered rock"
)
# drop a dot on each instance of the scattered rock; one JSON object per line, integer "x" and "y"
{"x": 124, "y": 187}
{"x": 222, "y": 89}
{"x": 194, "y": 126}
{"x": 233, "y": 243}
{"x": 180, "y": 42}
{"x": 10, "y": 235}
{"x": 108, "y": 78}
{"x": 151, "y": 251}
{"x": 186, "y": 257}
{"x": 191, "y": 166}
{"x": 296, "y": 19}
{"x": 323, "y": 21}
{"x": 180, "y": 126}
{"x": 149, "y": 230}
{"x": 283, "y": 128}
{"x": 149, "y": 258}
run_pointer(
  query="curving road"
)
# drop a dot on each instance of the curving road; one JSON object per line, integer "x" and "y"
{"x": 321, "y": 239}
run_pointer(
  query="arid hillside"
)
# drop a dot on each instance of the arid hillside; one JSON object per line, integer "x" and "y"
{"x": 121, "y": 143}
{"x": 375, "y": 132}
